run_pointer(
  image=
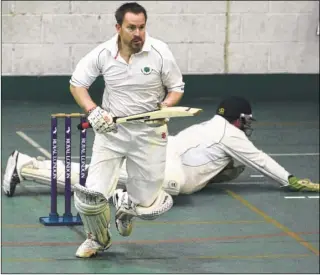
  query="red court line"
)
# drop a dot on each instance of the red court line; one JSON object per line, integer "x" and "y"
{"x": 184, "y": 240}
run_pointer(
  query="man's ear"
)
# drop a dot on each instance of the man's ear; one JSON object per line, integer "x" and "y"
{"x": 118, "y": 27}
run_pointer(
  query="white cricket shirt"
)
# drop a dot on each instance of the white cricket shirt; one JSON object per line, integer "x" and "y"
{"x": 206, "y": 148}
{"x": 135, "y": 87}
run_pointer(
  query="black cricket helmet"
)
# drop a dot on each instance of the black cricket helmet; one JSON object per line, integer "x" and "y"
{"x": 235, "y": 107}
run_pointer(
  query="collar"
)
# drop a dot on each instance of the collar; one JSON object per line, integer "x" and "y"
{"x": 147, "y": 44}
{"x": 112, "y": 45}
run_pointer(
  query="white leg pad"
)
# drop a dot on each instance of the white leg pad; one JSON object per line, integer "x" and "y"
{"x": 162, "y": 204}
{"x": 94, "y": 211}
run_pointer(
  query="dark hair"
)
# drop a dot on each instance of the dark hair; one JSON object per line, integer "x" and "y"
{"x": 129, "y": 7}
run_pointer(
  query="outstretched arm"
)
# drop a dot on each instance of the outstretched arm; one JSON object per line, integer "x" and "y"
{"x": 242, "y": 149}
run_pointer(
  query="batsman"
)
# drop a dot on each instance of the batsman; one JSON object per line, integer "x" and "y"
{"x": 140, "y": 73}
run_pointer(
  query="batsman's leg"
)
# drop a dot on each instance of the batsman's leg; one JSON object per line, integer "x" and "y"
{"x": 123, "y": 176}
{"x": 92, "y": 201}
{"x": 94, "y": 210}
{"x": 145, "y": 167}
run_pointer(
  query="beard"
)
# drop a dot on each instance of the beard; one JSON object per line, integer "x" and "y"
{"x": 136, "y": 45}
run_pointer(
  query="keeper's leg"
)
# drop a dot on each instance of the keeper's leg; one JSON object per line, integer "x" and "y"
{"x": 21, "y": 167}
{"x": 92, "y": 201}
{"x": 174, "y": 176}
{"x": 146, "y": 168}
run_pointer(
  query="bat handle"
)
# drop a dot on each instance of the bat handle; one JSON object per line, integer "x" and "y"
{"x": 84, "y": 125}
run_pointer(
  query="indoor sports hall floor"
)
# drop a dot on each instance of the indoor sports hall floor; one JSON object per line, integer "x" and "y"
{"x": 245, "y": 226}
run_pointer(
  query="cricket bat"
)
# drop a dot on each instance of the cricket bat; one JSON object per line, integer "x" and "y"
{"x": 168, "y": 112}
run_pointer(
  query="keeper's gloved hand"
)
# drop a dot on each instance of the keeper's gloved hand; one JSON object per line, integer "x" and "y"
{"x": 296, "y": 184}
{"x": 101, "y": 121}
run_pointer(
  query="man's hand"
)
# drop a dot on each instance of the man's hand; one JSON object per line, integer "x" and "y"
{"x": 101, "y": 121}
{"x": 172, "y": 99}
{"x": 158, "y": 122}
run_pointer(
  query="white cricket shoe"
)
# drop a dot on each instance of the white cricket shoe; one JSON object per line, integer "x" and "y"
{"x": 125, "y": 212}
{"x": 90, "y": 248}
{"x": 11, "y": 177}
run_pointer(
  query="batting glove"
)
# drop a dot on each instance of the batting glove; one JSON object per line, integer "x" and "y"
{"x": 101, "y": 121}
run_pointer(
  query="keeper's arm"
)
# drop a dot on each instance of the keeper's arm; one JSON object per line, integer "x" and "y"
{"x": 242, "y": 149}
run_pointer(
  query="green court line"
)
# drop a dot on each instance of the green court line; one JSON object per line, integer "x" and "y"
{"x": 222, "y": 257}
{"x": 285, "y": 229}
{"x": 17, "y": 226}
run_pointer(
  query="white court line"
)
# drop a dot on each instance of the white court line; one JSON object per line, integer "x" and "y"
{"x": 295, "y": 197}
{"x": 34, "y": 144}
{"x": 302, "y": 197}
{"x": 256, "y": 176}
{"x": 294, "y": 154}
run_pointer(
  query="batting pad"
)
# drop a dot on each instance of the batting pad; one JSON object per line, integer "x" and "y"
{"x": 94, "y": 211}
{"x": 162, "y": 204}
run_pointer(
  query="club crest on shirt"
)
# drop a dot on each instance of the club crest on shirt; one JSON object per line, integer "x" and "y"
{"x": 146, "y": 70}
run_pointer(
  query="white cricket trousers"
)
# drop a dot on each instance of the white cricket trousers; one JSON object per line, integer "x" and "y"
{"x": 144, "y": 149}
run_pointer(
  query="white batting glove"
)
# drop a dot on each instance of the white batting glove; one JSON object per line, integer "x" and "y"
{"x": 101, "y": 121}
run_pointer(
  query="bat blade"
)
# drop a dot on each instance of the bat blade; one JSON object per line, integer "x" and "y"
{"x": 168, "y": 112}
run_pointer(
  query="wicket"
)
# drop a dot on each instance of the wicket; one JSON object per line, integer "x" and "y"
{"x": 67, "y": 218}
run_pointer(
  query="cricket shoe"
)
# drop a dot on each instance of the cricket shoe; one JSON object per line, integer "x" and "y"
{"x": 12, "y": 175}
{"x": 296, "y": 184}
{"x": 125, "y": 212}
{"x": 90, "y": 248}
